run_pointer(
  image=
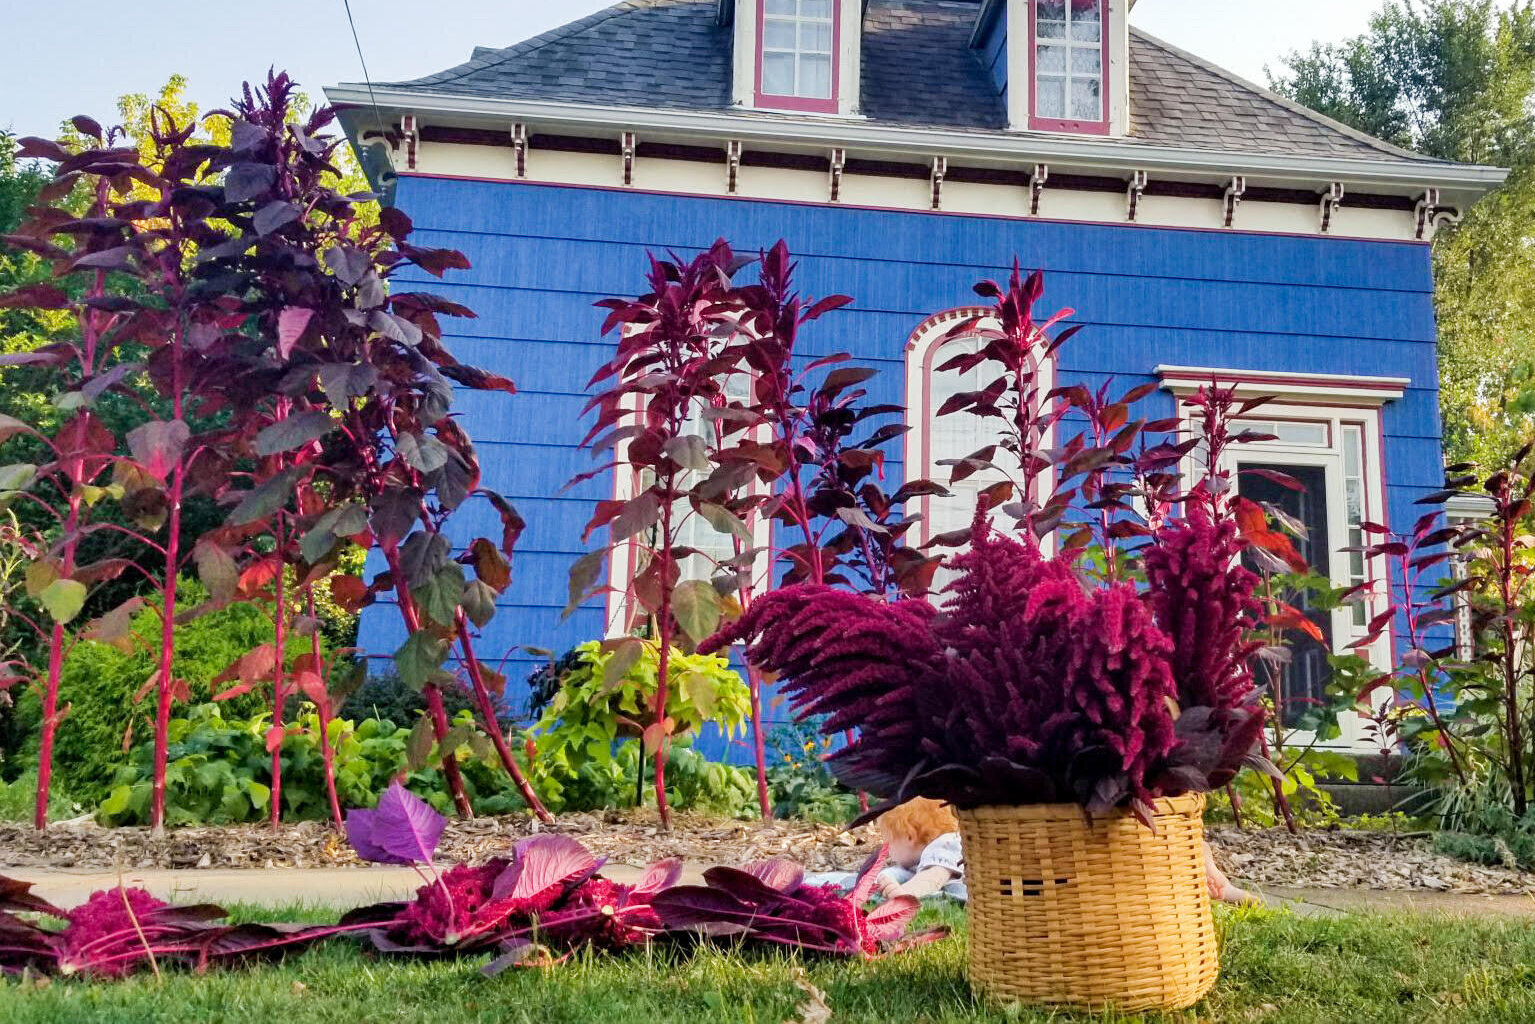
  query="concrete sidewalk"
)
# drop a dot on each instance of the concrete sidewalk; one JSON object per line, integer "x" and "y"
{"x": 345, "y": 888}
{"x": 339, "y": 888}
{"x": 1369, "y": 901}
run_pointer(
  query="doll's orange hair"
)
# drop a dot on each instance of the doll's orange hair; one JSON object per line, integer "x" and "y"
{"x": 920, "y": 820}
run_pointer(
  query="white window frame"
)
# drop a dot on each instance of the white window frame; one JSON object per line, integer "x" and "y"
{"x": 924, "y": 352}
{"x": 1340, "y": 402}
{"x": 1068, "y": 120}
{"x": 1458, "y": 511}
{"x": 624, "y": 558}
{"x": 801, "y": 21}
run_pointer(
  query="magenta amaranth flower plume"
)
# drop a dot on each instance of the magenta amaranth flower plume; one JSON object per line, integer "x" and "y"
{"x": 1029, "y": 687}
{"x": 1203, "y": 600}
{"x": 116, "y": 932}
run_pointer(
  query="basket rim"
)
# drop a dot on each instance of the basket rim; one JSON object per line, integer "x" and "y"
{"x": 1187, "y": 804}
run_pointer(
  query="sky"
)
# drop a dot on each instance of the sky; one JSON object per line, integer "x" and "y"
{"x": 67, "y": 57}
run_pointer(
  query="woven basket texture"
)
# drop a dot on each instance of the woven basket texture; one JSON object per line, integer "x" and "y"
{"x": 1107, "y": 914}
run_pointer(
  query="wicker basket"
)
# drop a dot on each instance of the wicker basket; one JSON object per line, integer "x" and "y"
{"x": 1071, "y": 914}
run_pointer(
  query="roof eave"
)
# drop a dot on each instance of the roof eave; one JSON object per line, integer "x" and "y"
{"x": 1467, "y": 181}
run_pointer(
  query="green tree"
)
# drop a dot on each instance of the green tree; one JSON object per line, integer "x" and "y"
{"x": 1455, "y": 79}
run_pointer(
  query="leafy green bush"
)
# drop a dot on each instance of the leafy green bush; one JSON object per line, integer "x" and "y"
{"x": 606, "y": 698}
{"x": 387, "y": 697}
{"x": 1477, "y": 823}
{"x": 693, "y": 783}
{"x": 1515, "y": 850}
{"x": 17, "y": 798}
{"x": 800, "y": 785}
{"x": 100, "y": 683}
{"x": 220, "y": 773}
{"x": 213, "y": 776}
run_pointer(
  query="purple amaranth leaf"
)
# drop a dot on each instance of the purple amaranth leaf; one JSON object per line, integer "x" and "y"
{"x": 17, "y": 895}
{"x": 702, "y": 908}
{"x": 541, "y": 863}
{"x": 402, "y": 829}
{"x": 863, "y": 886}
{"x": 780, "y": 873}
{"x": 661, "y": 875}
{"x": 24, "y": 946}
{"x": 888, "y": 921}
{"x": 749, "y": 888}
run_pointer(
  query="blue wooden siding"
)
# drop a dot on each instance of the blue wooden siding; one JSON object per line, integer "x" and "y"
{"x": 543, "y": 255}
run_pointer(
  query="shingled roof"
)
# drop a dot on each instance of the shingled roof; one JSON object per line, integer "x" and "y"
{"x": 918, "y": 70}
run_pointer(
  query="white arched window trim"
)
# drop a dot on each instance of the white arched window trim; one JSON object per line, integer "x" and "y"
{"x": 923, "y": 355}
{"x": 624, "y": 559}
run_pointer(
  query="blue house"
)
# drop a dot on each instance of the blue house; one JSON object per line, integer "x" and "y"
{"x": 1200, "y": 225}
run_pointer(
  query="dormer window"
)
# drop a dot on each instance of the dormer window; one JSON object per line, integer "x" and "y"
{"x": 1068, "y": 65}
{"x": 797, "y": 63}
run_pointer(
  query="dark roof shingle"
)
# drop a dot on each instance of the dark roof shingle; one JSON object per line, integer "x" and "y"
{"x": 918, "y": 69}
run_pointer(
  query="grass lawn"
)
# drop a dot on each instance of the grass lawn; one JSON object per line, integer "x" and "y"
{"x": 1276, "y": 968}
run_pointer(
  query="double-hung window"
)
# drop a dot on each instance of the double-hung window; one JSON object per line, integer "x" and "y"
{"x": 797, "y": 66}
{"x": 1069, "y": 65}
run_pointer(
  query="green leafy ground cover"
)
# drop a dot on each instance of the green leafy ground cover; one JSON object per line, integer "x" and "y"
{"x": 1277, "y": 969}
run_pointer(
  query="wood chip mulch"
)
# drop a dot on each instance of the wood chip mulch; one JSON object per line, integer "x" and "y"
{"x": 1356, "y": 859}
{"x": 625, "y": 837}
{"x": 1320, "y": 858}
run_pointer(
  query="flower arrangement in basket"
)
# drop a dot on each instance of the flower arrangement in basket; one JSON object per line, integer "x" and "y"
{"x": 1073, "y": 707}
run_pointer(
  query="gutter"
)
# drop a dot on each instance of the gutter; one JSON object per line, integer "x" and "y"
{"x": 815, "y": 133}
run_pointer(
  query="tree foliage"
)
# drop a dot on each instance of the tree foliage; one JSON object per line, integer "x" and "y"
{"x": 1455, "y": 79}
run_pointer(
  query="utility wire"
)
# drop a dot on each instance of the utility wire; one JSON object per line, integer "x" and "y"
{"x": 357, "y": 42}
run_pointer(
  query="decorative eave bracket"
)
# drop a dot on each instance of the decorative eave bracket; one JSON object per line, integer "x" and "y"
{"x": 732, "y": 167}
{"x": 1133, "y": 195}
{"x": 838, "y": 164}
{"x": 411, "y": 135}
{"x": 1235, "y": 190}
{"x": 1331, "y": 200}
{"x": 520, "y": 148}
{"x": 940, "y": 171}
{"x": 626, "y": 148}
{"x": 1037, "y": 182}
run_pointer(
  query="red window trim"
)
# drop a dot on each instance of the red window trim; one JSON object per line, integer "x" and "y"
{"x": 1076, "y": 127}
{"x": 827, "y": 106}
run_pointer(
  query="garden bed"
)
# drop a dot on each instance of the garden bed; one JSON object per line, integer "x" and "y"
{"x": 1321, "y": 858}
{"x": 624, "y": 836}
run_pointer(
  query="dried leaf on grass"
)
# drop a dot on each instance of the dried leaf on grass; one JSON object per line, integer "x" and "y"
{"x": 815, "y": 1009}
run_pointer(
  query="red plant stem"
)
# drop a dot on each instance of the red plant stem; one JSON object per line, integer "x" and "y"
{"x": 279, "y": 627}
{"x": 1415, "y": 643}
{"x": 430, "y": 692}
{"x": 1509, "y": 664}
{"x": 56, "y": 664}
{"x": 324, "y": 709}
{"x": 759, "y": 748}
{"x": 1281, "y": 802}
{"x": 168, "y": 588}
{"x": 488, "y": 720}
{"x": 663, "y": 656}
{"x": 75, "y": 474}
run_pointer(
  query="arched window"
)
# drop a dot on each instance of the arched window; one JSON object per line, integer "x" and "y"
{"x": 628, "y": 560}
{"x": 933, "y": 439}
